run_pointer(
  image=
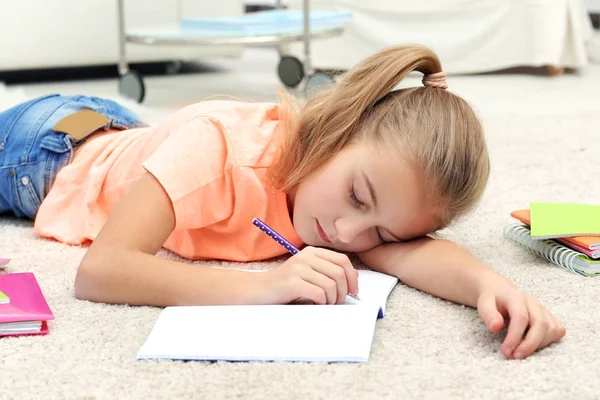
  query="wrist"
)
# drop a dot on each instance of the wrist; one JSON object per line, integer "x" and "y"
{"x": 250, "y": 288}
{"x": 219, "y": 286}
{"x": 492, "y": 281}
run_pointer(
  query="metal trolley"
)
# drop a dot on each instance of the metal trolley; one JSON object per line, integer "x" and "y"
{"x": 291, "y": 70}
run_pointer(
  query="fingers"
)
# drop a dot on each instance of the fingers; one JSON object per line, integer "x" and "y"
{"x": 335, "y": 266}
{"x": 556, "y": 331}
{"x": 488, "y": 311}
{"x": 342, "y": 260}
{"x": 309, "y": 293}
{"x": 519, "y": 321}
{"x": 313, "y": 275}
{"x": 544, "y": 330}
{"x": 327, "y": 270}
{"x": 331, "y": 277}
{"x": 539, "y": 324}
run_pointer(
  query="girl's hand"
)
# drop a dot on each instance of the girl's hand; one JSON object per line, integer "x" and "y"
{"x": 531, "y": 326}
{"x": 315, "y": 274}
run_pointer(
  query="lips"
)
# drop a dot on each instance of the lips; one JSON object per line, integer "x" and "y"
{"x": 322, "y": 233}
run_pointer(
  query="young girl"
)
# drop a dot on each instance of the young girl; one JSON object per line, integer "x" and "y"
{"x": 360, "y": 168}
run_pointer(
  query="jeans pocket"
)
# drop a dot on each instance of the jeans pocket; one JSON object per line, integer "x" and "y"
{"x": 32, "y": 181}
{"x": 29, "y": 199}
{"x": 59, "y": 148}
{"x": 120, "y": 116}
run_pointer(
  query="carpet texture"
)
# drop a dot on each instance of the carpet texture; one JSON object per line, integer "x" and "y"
{"x": 425, "y": 348}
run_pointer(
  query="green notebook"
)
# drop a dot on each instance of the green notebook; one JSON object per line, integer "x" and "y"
{"x": 557, "y": 220}
{"x": 4, "y": 298}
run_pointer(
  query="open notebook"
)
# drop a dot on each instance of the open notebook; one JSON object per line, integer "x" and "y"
{"x": 329, "y": 333}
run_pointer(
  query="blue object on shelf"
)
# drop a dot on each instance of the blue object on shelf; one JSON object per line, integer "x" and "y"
{"x": 268, "y": 22}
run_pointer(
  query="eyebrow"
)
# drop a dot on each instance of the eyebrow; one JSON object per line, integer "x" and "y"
{"x": 374, "y": 201}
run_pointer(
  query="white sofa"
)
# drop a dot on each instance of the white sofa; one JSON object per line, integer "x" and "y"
{"x": 469, "y": 36}
{"x": 69, "y": 33}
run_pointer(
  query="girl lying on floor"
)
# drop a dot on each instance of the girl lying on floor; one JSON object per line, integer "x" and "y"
{"x": 360, "y": 168}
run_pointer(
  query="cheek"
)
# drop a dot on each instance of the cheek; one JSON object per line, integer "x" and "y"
{"x": 324, "y": 197}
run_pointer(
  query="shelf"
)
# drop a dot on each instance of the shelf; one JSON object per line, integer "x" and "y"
{"x": 172, "y": 35}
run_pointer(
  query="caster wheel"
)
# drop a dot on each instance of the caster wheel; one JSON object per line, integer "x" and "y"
{"x": 131, "y": 86}
{"x": 290, "y": 71}
{"x": 317, "y": 82}
{"x": 174, "y": 67}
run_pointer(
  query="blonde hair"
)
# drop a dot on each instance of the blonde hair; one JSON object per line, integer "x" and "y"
{"x": 436, "y": 129}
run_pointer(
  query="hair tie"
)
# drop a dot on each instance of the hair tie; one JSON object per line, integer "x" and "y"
{"x": 437, "y": 80}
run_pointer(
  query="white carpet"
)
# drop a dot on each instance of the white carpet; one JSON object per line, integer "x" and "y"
{"x": 424, "y": 348}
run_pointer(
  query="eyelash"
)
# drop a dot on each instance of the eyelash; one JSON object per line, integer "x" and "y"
{"x": 359, "y": 203}
{"x": 355, "y": 199}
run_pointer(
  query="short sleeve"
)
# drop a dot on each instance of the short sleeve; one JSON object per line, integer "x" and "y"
{"x": 191, "y": 165}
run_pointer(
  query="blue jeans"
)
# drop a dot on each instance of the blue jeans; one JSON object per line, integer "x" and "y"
{"x": 32, "y": 154}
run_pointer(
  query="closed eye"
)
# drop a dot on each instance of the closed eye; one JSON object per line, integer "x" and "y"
{"x": 355, "y": 200}
{"x": 360, "y": 204}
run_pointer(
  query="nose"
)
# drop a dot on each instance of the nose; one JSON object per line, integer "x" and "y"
{"x": 349, "y": 229}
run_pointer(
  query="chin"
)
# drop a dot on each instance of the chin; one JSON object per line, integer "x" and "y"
{"x": 315, "y": 242}
{"x": 333, "y": 247}
{"x": 309, "y": 241}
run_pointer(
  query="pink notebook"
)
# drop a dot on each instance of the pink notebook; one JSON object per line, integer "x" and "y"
{"x": 595, "y": 254}
{"x": 26, "y": 311}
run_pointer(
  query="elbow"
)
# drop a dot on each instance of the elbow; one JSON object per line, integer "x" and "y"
{"x": 90, "y": 279}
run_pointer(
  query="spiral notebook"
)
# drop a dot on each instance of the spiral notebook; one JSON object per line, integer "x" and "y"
{"x": 324, "y": 333}
{"x": 589, "y": 245}
{"x": 553, "y": 251}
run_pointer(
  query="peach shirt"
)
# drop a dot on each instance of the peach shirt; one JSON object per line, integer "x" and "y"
{"x": 212, "y": 160}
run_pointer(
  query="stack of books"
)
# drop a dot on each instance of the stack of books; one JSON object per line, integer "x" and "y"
{"x": 567, "y": 235}
{"x": 3, "y": 263}
{"x": 23, "y": 307}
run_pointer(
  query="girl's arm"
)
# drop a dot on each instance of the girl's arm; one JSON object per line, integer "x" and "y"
{"x": 446, "y": 270}
{"x": 121, "y": 265}
{"x": 438, "y": 267}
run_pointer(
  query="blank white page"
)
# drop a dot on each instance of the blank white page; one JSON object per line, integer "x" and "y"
{"x": 330, "y": 333}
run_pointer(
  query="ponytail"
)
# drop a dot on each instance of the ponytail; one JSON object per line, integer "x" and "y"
{"x": 364, "y": 100}
{"x": 371, "y": 81}
{"x": 330, "y": 119}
